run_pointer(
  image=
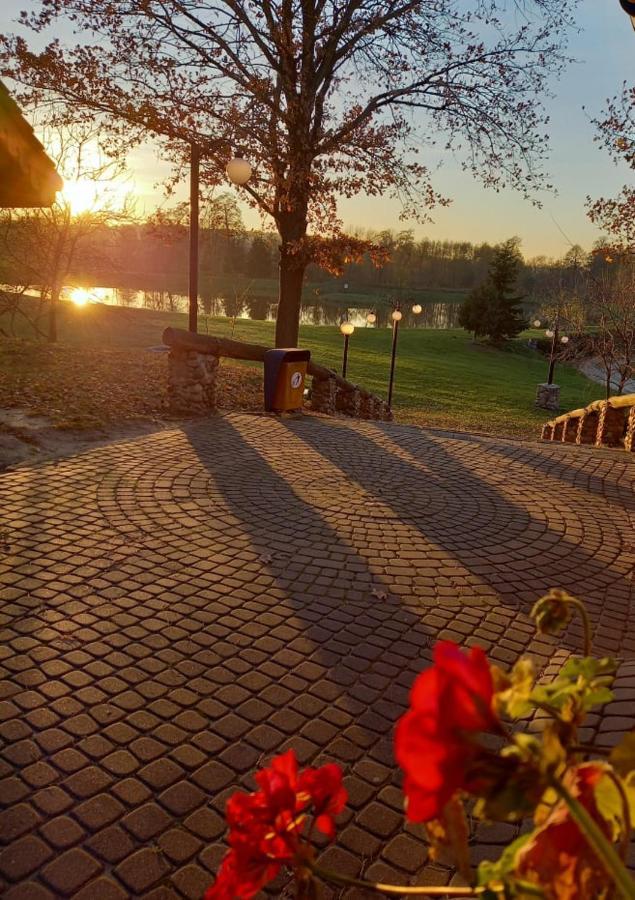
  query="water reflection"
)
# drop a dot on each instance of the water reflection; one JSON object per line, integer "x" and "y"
{"x": 259, "y": 308}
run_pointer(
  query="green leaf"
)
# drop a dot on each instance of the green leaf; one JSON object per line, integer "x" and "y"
{"x": 588, "y": 667}
{"x": 489, "y": 872}
{"x": 610, "y": 805}
{"x": 597, "y": 697}
{"x": 622, "y": 757}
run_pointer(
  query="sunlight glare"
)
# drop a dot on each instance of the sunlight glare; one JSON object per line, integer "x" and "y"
{"x": 80, "y": 296}
{"x": 86, "y": 195}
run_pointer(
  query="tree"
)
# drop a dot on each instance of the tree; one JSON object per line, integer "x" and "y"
{"x": 258, "y": 263}
{"x": 613, "y": 305}
{"x": 318, "y": 94}
{"x": 492, "y": 309}
{"x": 474, "y": 308}
{"x": 616, "y": 216}
{"x": 39, "y": 247}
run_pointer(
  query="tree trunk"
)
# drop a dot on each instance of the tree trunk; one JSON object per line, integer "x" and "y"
{"x": 289, "y": 300}
{"x": 292, "y": 229}
{"x": 53, "y": 304}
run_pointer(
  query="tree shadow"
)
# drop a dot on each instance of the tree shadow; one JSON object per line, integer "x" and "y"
{"x": 342, "y": 650}
{"x": 518, "y": 533}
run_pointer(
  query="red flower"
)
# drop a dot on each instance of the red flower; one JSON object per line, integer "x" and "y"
{"x": 450, "y": 703}
{"x": 558, "y": 857}
{"x": 328, "y": 795}
{"x": 266, "y": 827}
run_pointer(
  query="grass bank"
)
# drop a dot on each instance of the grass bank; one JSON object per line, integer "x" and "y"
{"x": 443, "y": 378}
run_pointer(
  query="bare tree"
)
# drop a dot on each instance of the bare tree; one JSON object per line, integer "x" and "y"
{"x": 38, "y": 247}
{"x": 328, "y": 98}
{"x": 613, "y": 302}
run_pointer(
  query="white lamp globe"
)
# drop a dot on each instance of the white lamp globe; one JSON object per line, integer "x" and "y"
{"x": 536, "y": 323}
{"x": 396, "y": 315}
{"x": 347, "y": 328}
{"x": 417, "y": 308}
{"x": 549, "y": 332}
{"x": 564, "y": 339}
{"x": 371, "y": 318}
{"x": 238, "y": 170}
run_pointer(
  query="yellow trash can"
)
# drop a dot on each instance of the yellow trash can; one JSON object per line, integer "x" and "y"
{"x": 285, "y": 373}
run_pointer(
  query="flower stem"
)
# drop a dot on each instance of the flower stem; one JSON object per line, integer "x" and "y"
{"x": 586, "y": 623}
{"x": 602, "y": 848}
{"x": 404, "y": 891}
{"x": 396, "y": 890}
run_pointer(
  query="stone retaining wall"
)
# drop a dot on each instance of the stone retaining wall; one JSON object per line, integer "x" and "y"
{"x": 192, "y": 390}
{"x": 192, "y": 382}
{"x": 327, "y": 396}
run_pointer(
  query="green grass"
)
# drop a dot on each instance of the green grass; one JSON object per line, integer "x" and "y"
{"x": 443, "y": 378}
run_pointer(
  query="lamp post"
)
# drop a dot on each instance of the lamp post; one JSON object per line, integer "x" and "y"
{"x": 347, "y": 328}
{"x": 548, "y": 394}
{"x": 417, "y": 309}
{"x": 239, "y": 172}
{"x": 396, "y": 316}
{"x": 371, "y": 318}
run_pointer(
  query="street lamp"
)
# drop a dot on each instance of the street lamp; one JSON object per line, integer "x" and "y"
{"x": 417, "y": 309}
{"x": 239, "y": 172}
{"x": 556, "y": 337}
{"x": 347, "y": 328}
{"x": 371, "y": 318}
{"x": 396, "y": 317}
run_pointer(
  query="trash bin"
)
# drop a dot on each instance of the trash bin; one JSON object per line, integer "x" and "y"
{"x": 285, "y": 371}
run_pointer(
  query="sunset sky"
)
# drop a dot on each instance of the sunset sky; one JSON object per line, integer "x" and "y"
{"x": 605, "y": 53}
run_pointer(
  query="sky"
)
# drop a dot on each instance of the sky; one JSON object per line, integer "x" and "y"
{"x": 605, "y": 57}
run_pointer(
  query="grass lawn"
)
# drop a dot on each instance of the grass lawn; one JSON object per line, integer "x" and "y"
{"x": 443, "y": 379}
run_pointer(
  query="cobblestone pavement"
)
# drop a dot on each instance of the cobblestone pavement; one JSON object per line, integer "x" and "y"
{"x": 178, "y": 607}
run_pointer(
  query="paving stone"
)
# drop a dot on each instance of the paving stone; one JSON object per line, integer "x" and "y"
{"x": 99, "y": 811}
{"x": 101, "y": 889}
{"x": 62, "y": 832}
{"x": 191, "y": 881}
{"x": 181, "y": 798}
{"x": 70, "y": 871}
{"x": 16, "y": 821}
{"x": 112, "y": 844}
{"x": 28, "y": 890}
{"x": 179, "y": 845}
{"x": 142, "y": 870}
{"x": 146, "y": 822}
{"x": 22, "y": 857}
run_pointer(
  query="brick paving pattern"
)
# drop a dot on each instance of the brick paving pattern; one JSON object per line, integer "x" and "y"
{"x": 179, "y": 607}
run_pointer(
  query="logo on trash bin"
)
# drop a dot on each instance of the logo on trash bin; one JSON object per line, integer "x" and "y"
{"x": 296, "y": 379}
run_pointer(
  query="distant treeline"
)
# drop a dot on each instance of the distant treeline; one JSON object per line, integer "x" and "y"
{"x": 161, "y": 250}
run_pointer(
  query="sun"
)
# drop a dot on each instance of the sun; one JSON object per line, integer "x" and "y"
{"x": 79, "y": 296}
{"x": 81, "y": 195}
{"x": 86, "y": 195}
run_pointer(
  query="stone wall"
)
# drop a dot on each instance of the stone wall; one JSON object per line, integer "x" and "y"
{"x": 327, "y": 396}
{"x": 192, "y": 390}
{"x": 192, "y": 382}
{"x": 605, "y": 423}
{"x": 548, "y": 396}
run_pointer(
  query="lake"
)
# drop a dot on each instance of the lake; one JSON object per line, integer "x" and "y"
{"x": 315, "y": 312}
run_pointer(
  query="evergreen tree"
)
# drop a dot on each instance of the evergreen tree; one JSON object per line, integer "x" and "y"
{"x": 259, "y": 263}
{"x": 493, "y": 308}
